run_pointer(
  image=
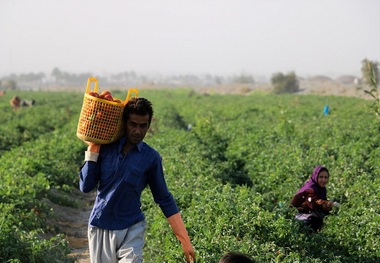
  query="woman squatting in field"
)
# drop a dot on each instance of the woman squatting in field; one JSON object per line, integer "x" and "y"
{"x": 311, "y": 200}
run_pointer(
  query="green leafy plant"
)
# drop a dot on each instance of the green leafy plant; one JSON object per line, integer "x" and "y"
{"x": 370, "y": 75}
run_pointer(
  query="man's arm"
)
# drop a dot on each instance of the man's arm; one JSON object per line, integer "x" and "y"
{"x": 87, "y": 173}
{"x": 180, "y": 232}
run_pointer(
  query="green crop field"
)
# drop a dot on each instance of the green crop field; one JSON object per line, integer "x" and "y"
{"x": 233, "y": 175}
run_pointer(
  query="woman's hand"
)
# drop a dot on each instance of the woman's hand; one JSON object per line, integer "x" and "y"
{"x": 325, "y": 204}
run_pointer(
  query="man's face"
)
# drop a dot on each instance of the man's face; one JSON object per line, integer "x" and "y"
{"x": 136, "y": 128}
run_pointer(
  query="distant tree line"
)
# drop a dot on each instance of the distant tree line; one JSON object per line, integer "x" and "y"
{"x": 281, "y": 83}
{"x": 127, "y": 78}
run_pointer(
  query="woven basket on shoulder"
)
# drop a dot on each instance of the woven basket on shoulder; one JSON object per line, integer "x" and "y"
{"x": 101, "y": 120}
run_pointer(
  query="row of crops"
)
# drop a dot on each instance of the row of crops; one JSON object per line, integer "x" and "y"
{"x": 232, "y": 174}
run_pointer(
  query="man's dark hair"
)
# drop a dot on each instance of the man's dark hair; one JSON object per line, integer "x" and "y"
{"x": 235, "y": 257}
{"x": 140, "y": 106}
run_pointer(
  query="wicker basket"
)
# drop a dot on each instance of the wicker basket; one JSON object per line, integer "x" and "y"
{"x": 101, "y": 120}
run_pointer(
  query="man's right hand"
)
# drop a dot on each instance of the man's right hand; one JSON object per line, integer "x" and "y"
{"x": 92, "y": 147}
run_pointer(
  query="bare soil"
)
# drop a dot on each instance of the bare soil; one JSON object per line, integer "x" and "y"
{"x": 73, "y": 221}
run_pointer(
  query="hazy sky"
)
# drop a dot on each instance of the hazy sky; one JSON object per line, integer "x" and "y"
{"x": 259, "y": 37}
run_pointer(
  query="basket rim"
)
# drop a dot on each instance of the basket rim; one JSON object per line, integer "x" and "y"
{"x": 97, "y": 141}
{"x": 86, "y": 95}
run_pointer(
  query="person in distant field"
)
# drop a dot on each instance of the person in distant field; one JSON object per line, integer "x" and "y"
{"x": 27, "y": 103}
{"x": 235, "y": 257}
{"x": 121, "y": 171}
{"x": 15, "y": 102}
{"x": 311, "y": 200}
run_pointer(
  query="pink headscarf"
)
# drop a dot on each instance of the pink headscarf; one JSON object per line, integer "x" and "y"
{"x": 313, "y": 183}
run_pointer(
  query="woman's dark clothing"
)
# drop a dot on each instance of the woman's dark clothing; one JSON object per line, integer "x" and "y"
{"x": 311, "y": 201}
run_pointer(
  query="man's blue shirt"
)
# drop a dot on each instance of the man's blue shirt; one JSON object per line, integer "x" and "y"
{"x": 121, "y": 180}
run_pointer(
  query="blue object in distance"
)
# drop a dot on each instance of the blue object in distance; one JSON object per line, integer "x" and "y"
{"x": 326, "y": 110}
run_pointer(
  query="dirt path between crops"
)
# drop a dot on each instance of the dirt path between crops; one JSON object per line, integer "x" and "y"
{"x": 73, "y": 223}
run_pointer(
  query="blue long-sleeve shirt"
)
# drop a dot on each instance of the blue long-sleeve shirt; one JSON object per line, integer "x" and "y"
{"x": 121, "y": 180}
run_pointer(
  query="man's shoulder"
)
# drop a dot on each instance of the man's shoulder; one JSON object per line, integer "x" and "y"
{"x": 110, "y": 146}
{"x": 149, "y": 149}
